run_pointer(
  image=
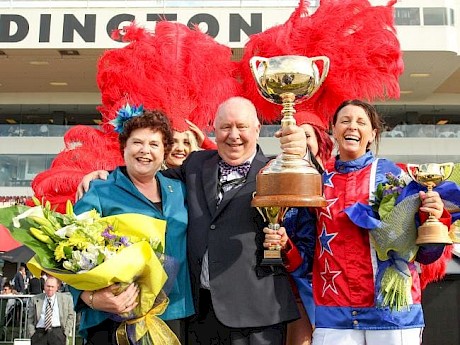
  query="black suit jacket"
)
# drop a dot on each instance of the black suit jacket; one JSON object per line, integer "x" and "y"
{"x": 243, "y": 293}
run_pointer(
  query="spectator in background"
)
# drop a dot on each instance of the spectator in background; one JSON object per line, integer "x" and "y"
{"x": 37, "y": 285}
{"x": 51, "y": 316}
{"x": 320, "y": 148}
{"x": 186, "y": 141}
{"x": 20, "y": 280}
{"x": 7, "y": 291}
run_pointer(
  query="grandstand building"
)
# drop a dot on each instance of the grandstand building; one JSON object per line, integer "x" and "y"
{"x": 49, "y": 51}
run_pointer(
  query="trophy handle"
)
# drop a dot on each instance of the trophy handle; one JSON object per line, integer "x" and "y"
{"x": 253, "y": 64}
{"x": 326, "y": 63}
{"x": 410, "y": 170}
{"x": 447, "y": 168}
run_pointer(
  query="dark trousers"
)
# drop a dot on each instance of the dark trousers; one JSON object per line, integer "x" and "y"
{"x": 53, "y": 336}
{"x": 103, "y": 333}
{"x": 179, "y": 327}
{"x": 206, "y": 329}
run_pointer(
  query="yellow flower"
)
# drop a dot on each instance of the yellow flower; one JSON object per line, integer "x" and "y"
{"x": 59, "y": 251}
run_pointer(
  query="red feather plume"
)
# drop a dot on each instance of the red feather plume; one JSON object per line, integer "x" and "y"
{"x": 360, "y": 41}
{"x": 86, "y": 149}
{"x": 181, "y": 71}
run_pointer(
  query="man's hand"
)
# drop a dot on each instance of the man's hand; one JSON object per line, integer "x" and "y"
{"x": 84, "y": 184}
{"x": 293, "y": 140}
{"x": 275, "y": 238}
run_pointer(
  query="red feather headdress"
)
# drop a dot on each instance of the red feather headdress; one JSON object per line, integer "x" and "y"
{"x": 360, "y": 41}
{"x": 181, "y": 71}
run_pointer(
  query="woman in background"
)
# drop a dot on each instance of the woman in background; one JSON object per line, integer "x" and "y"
{"x": 187, "y": 141}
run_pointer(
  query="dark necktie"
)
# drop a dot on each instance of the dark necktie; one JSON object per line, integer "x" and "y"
{"x": 226, "y": 169}
{"x": 48, "y": 314}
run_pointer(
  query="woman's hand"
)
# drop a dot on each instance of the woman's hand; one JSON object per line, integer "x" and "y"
{"x": 275, "y": 238}
{"x": 431, "y": 203}
{"x": 199, "y": 135}
{"x": 106, "y": 300}
{"x": 84, "y": 184}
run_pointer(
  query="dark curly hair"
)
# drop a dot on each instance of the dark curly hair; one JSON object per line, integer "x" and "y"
{"x": 153, "y": 119}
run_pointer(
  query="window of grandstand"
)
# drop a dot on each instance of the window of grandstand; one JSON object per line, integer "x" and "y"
{"x": 19, "y": 170}
{"x": 435, "y": 16}
{"x": 407, "y": 16}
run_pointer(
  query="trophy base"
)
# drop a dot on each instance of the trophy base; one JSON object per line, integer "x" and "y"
{"x": 433, "y": 233}
{"x": 289, "y": 189}
{"x": 272, "y": 258}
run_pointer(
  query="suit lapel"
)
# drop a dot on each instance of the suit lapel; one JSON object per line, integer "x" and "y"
{"x": 210, "y": 177}
{"x": 61, "y": 308}
{"x": 39, "y": 306}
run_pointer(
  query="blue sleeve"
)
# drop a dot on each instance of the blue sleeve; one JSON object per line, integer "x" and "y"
{"x": 89, "y": 201}
{"x": 77, "y": 303}
{"x": 300, "y": 226}
{"x": 429, "y": 254}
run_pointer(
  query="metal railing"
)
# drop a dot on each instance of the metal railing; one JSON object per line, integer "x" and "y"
{"x": 13, "y": 317}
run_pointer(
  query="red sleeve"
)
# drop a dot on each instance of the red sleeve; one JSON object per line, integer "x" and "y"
{"x": 292, "y": 257}
{"x": 208, "y": 144}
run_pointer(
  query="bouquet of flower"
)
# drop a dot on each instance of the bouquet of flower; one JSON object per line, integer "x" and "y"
{"x": 394, "y": 241}
{"x": 90, "y": 252}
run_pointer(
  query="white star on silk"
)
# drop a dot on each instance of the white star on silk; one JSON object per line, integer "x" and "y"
{"x": 326, "y": 211}
{"x": 328, "y": 277}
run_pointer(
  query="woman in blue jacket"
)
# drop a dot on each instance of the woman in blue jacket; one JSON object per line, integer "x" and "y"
{"x": 145, "y": 140}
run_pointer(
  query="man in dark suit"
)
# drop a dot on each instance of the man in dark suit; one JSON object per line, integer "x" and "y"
{"x": 20, "y": 280}
{"x": 237, "y": 300}
{"x": 61, "y": 315}
{"x": 37, "y": 285}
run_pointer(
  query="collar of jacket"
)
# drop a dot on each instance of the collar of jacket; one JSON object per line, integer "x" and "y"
{"x": 345, "y": 167}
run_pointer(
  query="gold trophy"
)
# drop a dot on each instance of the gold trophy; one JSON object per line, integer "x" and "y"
{"x": 432, "y": 231}
{"x": 288, "y": 180}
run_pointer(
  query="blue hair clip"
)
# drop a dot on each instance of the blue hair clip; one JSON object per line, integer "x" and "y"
{"x": 124, "y": 114}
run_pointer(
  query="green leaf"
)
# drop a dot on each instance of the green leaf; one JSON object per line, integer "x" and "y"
{"x": 8, "y": 213}
{"x": 23, "y": 235}
{"x": 386, "y": 205}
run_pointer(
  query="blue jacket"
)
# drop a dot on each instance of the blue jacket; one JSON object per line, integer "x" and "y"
{"x": 118, "y": 195}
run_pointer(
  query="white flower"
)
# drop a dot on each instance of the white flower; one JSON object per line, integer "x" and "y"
{"x": 86, "y": 216}
{"x": 66, "y": 231}
{"x": 36, "y": 211}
